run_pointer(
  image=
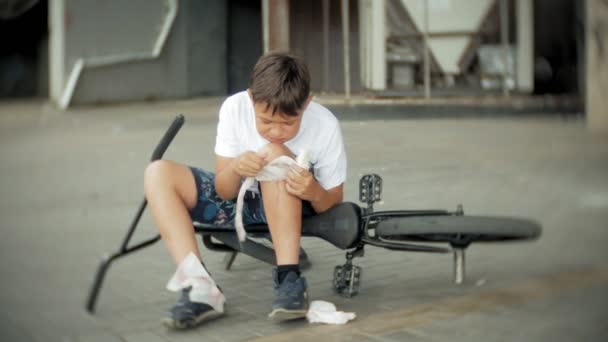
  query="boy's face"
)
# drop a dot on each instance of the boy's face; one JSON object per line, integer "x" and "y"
{"x": 278, "y": 128}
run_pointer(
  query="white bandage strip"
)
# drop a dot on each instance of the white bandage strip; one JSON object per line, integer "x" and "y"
{"x": 273, "y": 171}
{"x": 325, "y": 312}
{"x": 191, "y": 273}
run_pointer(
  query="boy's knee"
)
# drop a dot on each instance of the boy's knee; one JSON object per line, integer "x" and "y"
{"x": 156, "y": 172}
{"x": 275, "y": 150}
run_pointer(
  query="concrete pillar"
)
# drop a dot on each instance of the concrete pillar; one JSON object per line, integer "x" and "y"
{"x": 525, "y": 46}
{"x": 372, "y": 23}
{"x": 596, "y": 37}
{"x": 277, "y": 25}
{"x": 56, "y": 48}
{"x": 346, "y": 47}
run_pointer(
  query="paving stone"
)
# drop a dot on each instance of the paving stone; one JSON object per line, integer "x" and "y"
{"x": 71, "y": 183}
{"x": 143, "y": 337}
{"x": 101, "y": 337}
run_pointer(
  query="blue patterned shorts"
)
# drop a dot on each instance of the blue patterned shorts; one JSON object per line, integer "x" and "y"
{"x": 211, "y": 209}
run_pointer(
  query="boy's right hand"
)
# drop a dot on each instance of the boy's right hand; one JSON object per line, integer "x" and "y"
{"x": 249, "y": 164}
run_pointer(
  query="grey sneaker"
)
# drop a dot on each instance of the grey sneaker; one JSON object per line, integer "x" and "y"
{"x": 187, "y": 314}
{"x": 291, "y": 298}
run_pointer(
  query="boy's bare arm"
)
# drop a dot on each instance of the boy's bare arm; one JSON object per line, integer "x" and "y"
{"x": 229, "y": 171}
{"x": 301, "y": 183}
{"x": 328, "y": 198}
{"x": 227, "y": 181}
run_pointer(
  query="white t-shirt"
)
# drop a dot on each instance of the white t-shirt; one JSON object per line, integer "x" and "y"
{"x": 319, "y": 133}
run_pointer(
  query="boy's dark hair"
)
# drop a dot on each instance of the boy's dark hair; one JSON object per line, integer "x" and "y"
{"x": 281, "y": 81}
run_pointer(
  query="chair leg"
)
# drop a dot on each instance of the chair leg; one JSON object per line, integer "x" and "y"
{"x": 304, "y": 261}
{"x": 158, "y": 153}
{"x": 459, "y": 266}
{"x": 99, "y": 276}
{"x": 229, "y": 260}
{"x": 103, "y": 268}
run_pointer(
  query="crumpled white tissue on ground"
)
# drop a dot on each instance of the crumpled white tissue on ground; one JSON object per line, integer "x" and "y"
{"x": 191, "y": 272}
{"x": 273, "y": 171}
{"x": 325, "y": 312}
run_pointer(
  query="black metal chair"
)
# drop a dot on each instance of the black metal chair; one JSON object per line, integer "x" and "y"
{"x": 339, "y": 226}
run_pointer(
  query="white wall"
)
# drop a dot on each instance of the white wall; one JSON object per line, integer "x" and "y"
{"x": 125, "y": 55}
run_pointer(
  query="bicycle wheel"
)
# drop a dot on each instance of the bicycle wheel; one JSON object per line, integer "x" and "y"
{"x": 457, "y": 230}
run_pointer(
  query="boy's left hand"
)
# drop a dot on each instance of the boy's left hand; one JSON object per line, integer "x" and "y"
{"x": 301, "y": 183}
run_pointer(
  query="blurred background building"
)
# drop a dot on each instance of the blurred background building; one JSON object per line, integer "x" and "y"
{"x": 89, "y": 51}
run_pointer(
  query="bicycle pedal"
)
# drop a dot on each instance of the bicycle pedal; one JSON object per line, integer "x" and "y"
{"x": 370, "y": 189}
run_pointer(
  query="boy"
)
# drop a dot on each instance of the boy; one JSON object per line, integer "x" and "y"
{"x": 273, "y": 117}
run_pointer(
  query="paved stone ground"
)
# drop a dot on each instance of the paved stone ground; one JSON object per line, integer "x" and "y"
{"x": 71, "y": 182}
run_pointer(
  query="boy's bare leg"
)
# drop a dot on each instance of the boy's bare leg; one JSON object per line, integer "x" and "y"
{"x": 284, "y": 215}
{"x": 171, "y": 191}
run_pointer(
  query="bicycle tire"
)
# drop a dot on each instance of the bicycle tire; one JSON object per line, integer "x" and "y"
{"x": 457, "y": 230}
